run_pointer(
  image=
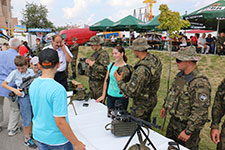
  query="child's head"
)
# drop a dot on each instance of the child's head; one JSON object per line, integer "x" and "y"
{"x": 34, "y": 64}
{"x": 48, "y": 58}
{"x": 21, "y": 63}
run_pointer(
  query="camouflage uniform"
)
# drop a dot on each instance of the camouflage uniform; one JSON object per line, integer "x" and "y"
{"x": 74, "y": 49}
{"x": 219, "y": 44}
{"x": 187, "y": 102}
{"x": 218, "y": 112}
{"x": 39, "y": 48}
{"x": 144, "y": 82}
{"x": 98, "y": 70}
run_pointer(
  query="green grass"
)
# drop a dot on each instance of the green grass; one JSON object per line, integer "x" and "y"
{"x": 210, "y": 65}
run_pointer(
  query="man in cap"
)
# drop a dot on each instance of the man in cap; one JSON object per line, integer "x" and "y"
{"x": 144, "y": 82}
{"x": 187, "y": 101}
{"x": 218, "y": 112}
{"x": 97, "y": 67}
{"x": 64, "y": 57}
{"x": 74, "y": 49}
{"x": 48, "y": 98}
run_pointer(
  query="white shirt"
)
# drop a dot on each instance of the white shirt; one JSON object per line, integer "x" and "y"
{"x": 202, "y": 41}
{"x": 62, "y": 57}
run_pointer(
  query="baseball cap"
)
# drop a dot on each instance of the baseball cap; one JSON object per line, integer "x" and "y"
{"x": 48, "y": 57}
{"x": 34, "y": 60}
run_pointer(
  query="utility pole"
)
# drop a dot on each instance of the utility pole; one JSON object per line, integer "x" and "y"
{"x": 8, "y": 22}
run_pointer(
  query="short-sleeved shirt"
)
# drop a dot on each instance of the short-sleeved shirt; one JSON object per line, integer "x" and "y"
{"x": 48, "y": 99}
{"x": 6, "y": 66}
{"x": 17, "y": 77}
{"x": 113, "y": 89}
{"x": 62, "y": 57}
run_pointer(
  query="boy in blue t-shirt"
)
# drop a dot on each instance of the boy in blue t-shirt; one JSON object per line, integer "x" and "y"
{"x": 51, "y": 127}
{"x": 23, "y": 98}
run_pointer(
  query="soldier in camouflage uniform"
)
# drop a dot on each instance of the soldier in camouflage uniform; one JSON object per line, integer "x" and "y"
{"x": 74, "y": 49}
{"x": 220, "y": 44}
{"x": 97, "y": 67}
{"x": 187, "y": 101}
{"x": 144, "y": 82}
{"x": 39, "y": 46}
{"x": 218, "y": 112}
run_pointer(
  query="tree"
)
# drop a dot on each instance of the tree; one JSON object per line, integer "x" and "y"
{"x": 171, "y": 22}
{"x": 35, "y": 16}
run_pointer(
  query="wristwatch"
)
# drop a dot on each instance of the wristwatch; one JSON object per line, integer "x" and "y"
{"x": 188, "y": 132}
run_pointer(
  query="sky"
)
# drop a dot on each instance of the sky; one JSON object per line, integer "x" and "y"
{"x": 79, "y": 12}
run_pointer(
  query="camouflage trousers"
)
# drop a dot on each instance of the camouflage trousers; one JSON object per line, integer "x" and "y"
{"x": 143, "y": 108}
{"x": 175, "y": 127}
{"x": 96, "y": 88}
{"x": 74, "y": 65}
{"x": 221, "y": 144}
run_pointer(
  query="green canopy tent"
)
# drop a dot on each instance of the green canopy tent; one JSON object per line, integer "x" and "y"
{"x": 102, "y": 25}
{"x": 206, "y": 17}
{"x": 152, "y": 24}
{"x": 128, "y": 23}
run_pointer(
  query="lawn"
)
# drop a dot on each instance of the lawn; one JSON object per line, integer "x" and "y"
{"x": 212, "y": 66}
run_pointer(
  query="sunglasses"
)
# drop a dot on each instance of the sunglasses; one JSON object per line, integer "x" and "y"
{"x": 178, "y": 60}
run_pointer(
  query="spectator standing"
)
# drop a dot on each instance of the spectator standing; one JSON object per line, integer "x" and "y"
{"x": 203, "y": 44}
{"x": 51, "y": 127}
{"x": 64, "y": 56}
{"x": 23, "y": 97}
{"x": 220, "y": 44}
{"x": 6, "y": 66}
{"x": 39, "y": 46}
{"x": 23, "y": 50}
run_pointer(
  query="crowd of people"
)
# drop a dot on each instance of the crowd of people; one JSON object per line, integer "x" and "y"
{"x": 44, "y": 108}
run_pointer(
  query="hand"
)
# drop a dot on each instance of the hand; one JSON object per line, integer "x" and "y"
{"x": 183, "y": 136}
{"x": 17, "y": 92}
{"x": 89, "y": 62}
{"x": 215, "y": 135}
{"x": 102, "y": 98}
{"x": 117, "y": 76}
{"x": 163, "y": 113}
{"x": 79, "y": 146}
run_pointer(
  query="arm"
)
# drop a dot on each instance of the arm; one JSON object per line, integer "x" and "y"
{"x": 102, "y": 98}
{"x": 134, "y": 87}
{"x": 68, "y": 56}
{"x": 68, "y": 133}
{"x": 16, "y": 91}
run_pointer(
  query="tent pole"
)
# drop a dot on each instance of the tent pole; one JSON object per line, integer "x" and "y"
{"x": 218, "y": 29}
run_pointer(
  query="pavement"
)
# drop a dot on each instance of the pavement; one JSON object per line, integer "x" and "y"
{"x": 14, "y": 142}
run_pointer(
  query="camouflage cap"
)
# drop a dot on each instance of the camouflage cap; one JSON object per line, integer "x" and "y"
{"x": 140, "y": 44}
{"x": 187, "y": 54}
{"x": 95, "y": 40}
{"x": 74, "y": 39}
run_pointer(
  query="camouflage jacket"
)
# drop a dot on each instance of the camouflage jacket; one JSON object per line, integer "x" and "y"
{"x": 74, "y": 49}
{"x": 127, "y": 70}
{"x": 99, "y": 69}
{"x": 218, "y": 109}
{"x": 220, "y": 42}
{"x": 145, "y": 79}
{"x": 189, "y": 99}
{"x": 39, "y": 48}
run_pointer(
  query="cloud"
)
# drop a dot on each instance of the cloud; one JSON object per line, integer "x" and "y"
{"x": 90, "y": 19}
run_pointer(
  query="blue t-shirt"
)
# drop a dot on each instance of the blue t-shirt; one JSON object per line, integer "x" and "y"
{"x": 48, "y": 99}
{"x": 113, "y": 89}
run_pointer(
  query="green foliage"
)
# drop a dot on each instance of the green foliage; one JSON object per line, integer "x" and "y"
{"x": 171, "y": 22}
{"x": 35, "y": 16}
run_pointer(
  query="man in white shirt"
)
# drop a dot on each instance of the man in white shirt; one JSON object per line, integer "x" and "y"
{"x": 64, "y": 56}
{"x": 203, "y": 44}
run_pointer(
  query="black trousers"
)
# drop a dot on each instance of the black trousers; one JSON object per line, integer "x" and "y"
{"x": 61, "y": 77}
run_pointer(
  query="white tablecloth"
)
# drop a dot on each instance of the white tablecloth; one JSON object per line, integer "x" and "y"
{"x": 89, "y": 127}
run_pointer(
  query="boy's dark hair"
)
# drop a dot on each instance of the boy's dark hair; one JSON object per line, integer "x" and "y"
{"x": 20, "y": 61}
{"x": 48, "y": 58}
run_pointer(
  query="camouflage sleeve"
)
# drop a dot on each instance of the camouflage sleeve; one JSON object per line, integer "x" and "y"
{"x": 136, "y": 83}
{"x": 99, "y": 68}
{"x": 218, "y": 106}
{"x": 201, "y": 97}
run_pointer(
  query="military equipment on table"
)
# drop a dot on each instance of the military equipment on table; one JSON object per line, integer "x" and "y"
{"x": 82, "y": 66}
{"x": 80, "y": 94}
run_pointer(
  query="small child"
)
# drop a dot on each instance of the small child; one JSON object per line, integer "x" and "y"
{"x": 34, "y": 65}
{"x": 23, "y": 99}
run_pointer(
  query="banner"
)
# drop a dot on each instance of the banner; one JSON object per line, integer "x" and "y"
{"x": 19, "y": 28}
